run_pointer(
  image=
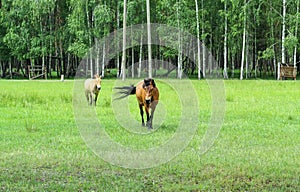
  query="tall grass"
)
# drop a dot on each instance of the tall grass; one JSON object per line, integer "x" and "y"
{"x": 41, "y": 148}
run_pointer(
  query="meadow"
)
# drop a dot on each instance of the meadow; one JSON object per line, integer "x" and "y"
{"x": 257, "y": 149}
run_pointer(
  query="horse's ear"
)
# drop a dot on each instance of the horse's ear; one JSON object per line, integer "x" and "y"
{"x": 153, "y": 83}
{"x": 96, "y": 76}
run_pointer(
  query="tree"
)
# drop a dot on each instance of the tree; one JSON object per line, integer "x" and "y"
{"x": 102, "y": 17}
{"x": 123, "y": 64}
{"x": 296, "y": 33}
{"x": 282, "y": 38}
{"x": 198, "y": 41}
{"x": 149, "y": 39}
{"x": 244, "y": 40}
{"x": 203, "y": 40}
{"x": 283, "y": 31}
{"x": 179, "y": 60}
{"x": 225, "y": 73}
{"x": 240, "y": 34}
{"x": 77, "y": 29}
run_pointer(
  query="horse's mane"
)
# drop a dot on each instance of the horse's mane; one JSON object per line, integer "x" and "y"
{"x": 149, "y": 81}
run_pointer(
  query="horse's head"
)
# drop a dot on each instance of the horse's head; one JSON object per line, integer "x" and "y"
{"x": 148, "y": 86}
{"x": 98, "y": 82}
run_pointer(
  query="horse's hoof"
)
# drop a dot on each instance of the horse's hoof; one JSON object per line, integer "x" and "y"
{"x": 143, "y": 124}
{"x": 149, "y": 126}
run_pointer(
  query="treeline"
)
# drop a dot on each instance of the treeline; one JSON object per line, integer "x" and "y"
{"x": 247, "y": 38}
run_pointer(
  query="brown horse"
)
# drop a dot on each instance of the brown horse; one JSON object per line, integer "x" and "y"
{"x": 92, "y": 89}
{"x": 147, "y": 95}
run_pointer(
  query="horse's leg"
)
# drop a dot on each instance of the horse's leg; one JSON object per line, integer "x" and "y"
{"x": 153, "y": 106}
{"x": 96, "y": 96}
{"x": 91, "y": 98}
{"x": 149, "y": 124}
{"x": 142, "y": 114}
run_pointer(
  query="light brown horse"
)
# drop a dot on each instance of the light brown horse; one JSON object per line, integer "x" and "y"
{"x": 92, "y": 89}
{"x": 147, "y": 95}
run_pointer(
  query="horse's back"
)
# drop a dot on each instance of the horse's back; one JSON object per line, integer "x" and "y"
{"x": 87, "y": 84}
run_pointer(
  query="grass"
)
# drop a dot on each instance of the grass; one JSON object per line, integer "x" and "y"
{"x": 41, "y": 148}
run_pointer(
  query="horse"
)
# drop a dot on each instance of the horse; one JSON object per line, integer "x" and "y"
{"x": 92, "y": 88}
{"x": 147, "y": 96}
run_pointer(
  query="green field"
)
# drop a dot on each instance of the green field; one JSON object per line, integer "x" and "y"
{"x": 257, "y": 149}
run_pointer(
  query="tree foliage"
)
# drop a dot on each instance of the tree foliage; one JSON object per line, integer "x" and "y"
{"x": 58, "y": 34}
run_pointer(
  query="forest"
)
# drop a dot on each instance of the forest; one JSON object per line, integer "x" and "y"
{"x": 245, "y": 38}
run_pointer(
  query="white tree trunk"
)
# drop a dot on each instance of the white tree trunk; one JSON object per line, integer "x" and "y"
{"x": 103, "y": 60}
{"x": 244, "y": 45}
{"x": 225, "y": 74}
{"x": 89, "y": 37}
{"x": 243, "y": 56}
{"x": 50, "y": 43}
{"x": 141, "y": 49}
{"x": 43, "y": 54}
{"x": 283, "y": 31}
{"x": 97, "y": 57}
{"x": 117, "y": 42}
{"x": 210, "y": 54}
{"x": 273, "y": 37}
{"x": 123, "y": 73}
{"x": 255, "y": 52}
{"x": 179, "y": 65}
{"x": 198, "y": 42}
{"x": 132, "y": 57}
{"x": 203, "y": 44}
{"x": 149, "y": 39}
{"x": 296, "y": 33}
{"x": 282, "y": 38}
{"x": 140, "y": 56}
{"x": 246, "y": 59}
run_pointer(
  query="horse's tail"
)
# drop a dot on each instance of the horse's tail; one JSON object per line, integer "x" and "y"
{"x": 125, "y": 91}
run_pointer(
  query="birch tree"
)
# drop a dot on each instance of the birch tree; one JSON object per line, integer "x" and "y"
{"x": 90, "y": 61}
{"x": 282, "y": 38}
{"x": 149, "y": 39}
{"x": 141, "y": 54}
{"x": 179, "y": 60}
{"x": 225, "y": 73}
{"x": 283, "y": 31}
{"x": 296, "y": 33}
{"x": 244, "y": 40}
{"x": 270, "y": 51}
{"x": 123, "y": 67}
{"x": 198, "y": 40}
{"x": 203, "y": 40}
{"x": 102, "y": 15}
{"x": 117, "y": 41}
